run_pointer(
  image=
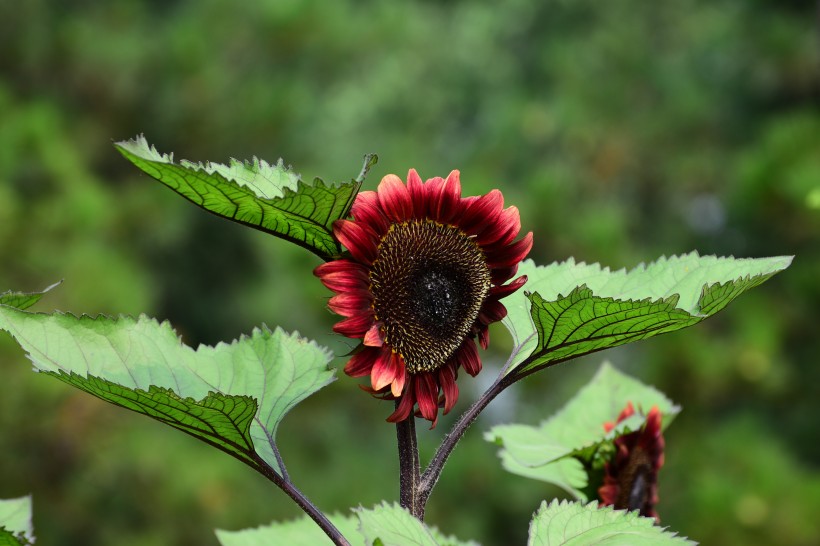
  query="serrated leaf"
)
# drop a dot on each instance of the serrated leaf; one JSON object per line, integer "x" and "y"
{"x": 23, "y": 300}
{"x": 271, "y": 198}
{"x": 15, "y": 522}
{"x": 567, "y": 473}
{"x": 220, "y": 420}
{"x": 603, "y": 309}
{"x": 386, "y": 524}
{"x": 391, "y": 525}
{"x": 212, "y": 393}
{"x": 298, "y": 532}
{"x": 578, "y": 428}
{"x": 574, "y": 524}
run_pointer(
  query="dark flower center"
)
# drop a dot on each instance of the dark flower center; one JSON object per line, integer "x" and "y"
{"x": 636, "y": 482}
{"x": 428, "y": 282}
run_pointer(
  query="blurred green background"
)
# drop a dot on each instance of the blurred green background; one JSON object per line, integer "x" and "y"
{"x": 622, "y": 130}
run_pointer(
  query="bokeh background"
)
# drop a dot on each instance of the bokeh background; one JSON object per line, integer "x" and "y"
{"x": 622, "y": 130}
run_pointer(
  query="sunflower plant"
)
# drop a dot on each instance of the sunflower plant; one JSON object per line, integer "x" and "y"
{"x": 417, "y": 274}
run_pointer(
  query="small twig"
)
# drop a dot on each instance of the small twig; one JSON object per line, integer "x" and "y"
{"x": 409, "y": 466}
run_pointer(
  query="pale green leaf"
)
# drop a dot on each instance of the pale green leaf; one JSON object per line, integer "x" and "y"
{"x": 232, "y": 396}
{"x": 15, "y": 522}
{"x": 23, "y": 300}
{"x": 271, "y": 198}
{"x": 298, "y": 532}
{"x": 571, "y": 309}
{"x": 575, "y": 524}
{"x": 392, "y": 525}
{"x": 567, "y": 473}
{"x": 578, "y": 428}
{"x": 386, "y": 524}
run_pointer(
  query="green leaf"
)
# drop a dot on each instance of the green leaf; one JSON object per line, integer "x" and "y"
{"x": 386, "y": 524}
{"x": 23, "y": 300}
{"x": 603, "y": 309}
{"x": 298, "y": 532}
{"x": 577, "y": 429}
{"x": 392, "y": 525}
{"x": 232, "y": 396}
{"x": 271, "y": 198}
{"x": 15, "y": 522}
{"x": 567, "y": 473}
{"x": 574, "y": 524}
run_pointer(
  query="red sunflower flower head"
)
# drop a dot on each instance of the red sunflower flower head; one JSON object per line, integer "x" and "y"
{"x": 422, "y": 280}
{"x": 631, "y": 476}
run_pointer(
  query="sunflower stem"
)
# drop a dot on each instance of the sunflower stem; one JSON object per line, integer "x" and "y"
{"x": 304, "y": 503}
{"x": 433, "y": 471}
{"x": 409, "y": 469}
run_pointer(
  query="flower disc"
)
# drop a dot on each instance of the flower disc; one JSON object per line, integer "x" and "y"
{"x": 428, "y": 283}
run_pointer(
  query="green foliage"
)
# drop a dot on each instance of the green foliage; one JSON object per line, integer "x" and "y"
{"x": 554, "y": 450}
{"x": 604, "y": 309}
{"x": 15, "y": 522}
{"x": 231, "y": 396}
{"x": 298, "y": 532}
{"x": 385, "y": 525}
{"x": 271, "y": 198}
{"x": 574, "y": 524}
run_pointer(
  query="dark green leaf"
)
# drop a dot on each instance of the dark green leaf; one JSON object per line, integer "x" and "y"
{"x": 220, "y": 420}
{"x": 271, "y": 198}
{"x": 232, "y": 395}
{"x": 603, "y": 309}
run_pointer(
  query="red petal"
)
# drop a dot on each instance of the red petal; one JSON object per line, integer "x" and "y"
{"x": 482, "y": 212}
{"x": 427, "y": 396}
{"x": 512, "y": 254}
{"x": 397, "y": 385}
{"x": 358, "y": 239}
{"x": 350, "y": 304}
{"x": 384, "y": 370}
{"x": 346, "y": 280}
{"x": 361, "y": 363}
{"x": 444, "y": 202}
{"x": 492, "y": 311}
{"x": 366, "y": 210}
{"x": 467, "y": 357}
{"x": 373, "y": 337}
{"x": 395, "y": 199}
{"x": 503, "y": 291}
{"x": 484, "y": 337}
{"x": 447, "y": 380}
{"x": 405, "y": 407}
{"x": 503, "y": 230}
{"x": 355, "y": 326}
{"x": 417, "y": 194}
{"x": 608, "y": 494}
{"x": 501, "y": 275}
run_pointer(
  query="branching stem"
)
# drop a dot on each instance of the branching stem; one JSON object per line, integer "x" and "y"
{"x": 433, "y": 471}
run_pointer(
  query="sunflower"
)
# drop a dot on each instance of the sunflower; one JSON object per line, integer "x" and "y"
{"x": 422, "y": 279}
{"x": 631, "y": 476}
